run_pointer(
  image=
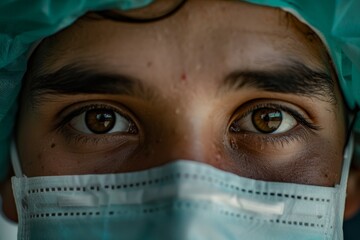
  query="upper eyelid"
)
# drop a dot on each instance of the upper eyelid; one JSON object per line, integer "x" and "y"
{"x": 298, "y": 117}
{"x": 263, "y": 105}
{"x": 81, "y": 109}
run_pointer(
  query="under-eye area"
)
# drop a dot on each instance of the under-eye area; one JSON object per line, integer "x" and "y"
{"x": 271, "y": 122}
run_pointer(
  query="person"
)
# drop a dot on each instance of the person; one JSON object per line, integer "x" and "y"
{"x": 221, "y": 120}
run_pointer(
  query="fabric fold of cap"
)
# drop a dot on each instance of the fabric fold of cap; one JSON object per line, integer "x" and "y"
{"x": 22, "y": 24}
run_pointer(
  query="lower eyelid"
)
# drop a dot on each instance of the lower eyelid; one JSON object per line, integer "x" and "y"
{"x": 299, "y": 134}
{"x": 93, "y": 139}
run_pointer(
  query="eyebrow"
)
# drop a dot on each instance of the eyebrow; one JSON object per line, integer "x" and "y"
{"x": 292, "y": 78}
{"x": 72, "y": 80}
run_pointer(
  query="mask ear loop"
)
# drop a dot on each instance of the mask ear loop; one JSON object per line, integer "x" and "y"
{"x": 349, "y": 148}
{"x": 349, "y": 132}
{"x": 15, "y": 161}
{"x": 347, "y": 157}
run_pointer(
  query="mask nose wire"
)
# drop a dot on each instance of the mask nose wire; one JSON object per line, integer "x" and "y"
{"x": 15, "y": 161}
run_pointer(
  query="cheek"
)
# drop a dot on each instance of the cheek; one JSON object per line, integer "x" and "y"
{"x": 322, "y": 165}
{"x": 316, "y": 161}
{"x": 57, "y": 158}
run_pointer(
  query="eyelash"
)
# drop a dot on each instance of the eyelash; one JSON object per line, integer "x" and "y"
{"x": 72, "y": 136}
{"x": 292, "y": 112}
{"x": 281, "y": 138}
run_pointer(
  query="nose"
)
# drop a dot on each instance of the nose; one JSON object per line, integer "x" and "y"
{"x": 194, "y": 136}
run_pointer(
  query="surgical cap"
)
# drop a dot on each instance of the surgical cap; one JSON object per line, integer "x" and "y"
{"x": 23, "y": 24}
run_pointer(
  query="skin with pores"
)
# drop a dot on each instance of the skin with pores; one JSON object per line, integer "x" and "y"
{"x": 185, "y": 87}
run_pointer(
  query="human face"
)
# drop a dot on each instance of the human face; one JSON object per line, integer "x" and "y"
{"x": 247, "y": 89}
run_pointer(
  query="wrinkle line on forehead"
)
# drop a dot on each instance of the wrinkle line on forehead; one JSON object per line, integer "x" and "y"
{"x": 293, "y": 78}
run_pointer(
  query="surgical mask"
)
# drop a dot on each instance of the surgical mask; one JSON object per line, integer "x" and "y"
{"x": 180, "y": 200}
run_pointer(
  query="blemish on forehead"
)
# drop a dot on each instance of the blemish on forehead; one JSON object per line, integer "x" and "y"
{"x": 183, "y": 77}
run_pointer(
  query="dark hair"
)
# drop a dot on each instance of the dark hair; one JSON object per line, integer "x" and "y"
{"x": 150, "y": 13}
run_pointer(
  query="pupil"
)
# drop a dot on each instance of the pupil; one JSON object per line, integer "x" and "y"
{"x": 267, "y": 120}
{"x": 100, "y": 120}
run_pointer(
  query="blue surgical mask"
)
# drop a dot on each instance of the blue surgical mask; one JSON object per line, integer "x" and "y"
{"x": 180, "y": 200}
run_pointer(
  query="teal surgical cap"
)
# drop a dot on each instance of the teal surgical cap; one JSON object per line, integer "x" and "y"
{"x": 23, "y": 23}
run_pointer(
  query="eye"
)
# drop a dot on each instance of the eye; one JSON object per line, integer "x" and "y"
{"x": 101, "y": 121}
{"x": 266, "y": 120}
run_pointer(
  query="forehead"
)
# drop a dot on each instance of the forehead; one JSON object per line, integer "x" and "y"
{"x": 202, "y": 34}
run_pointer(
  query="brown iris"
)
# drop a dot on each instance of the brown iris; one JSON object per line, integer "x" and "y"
{"x": 266, "y": 120}
{"x": 100, "y": 120}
